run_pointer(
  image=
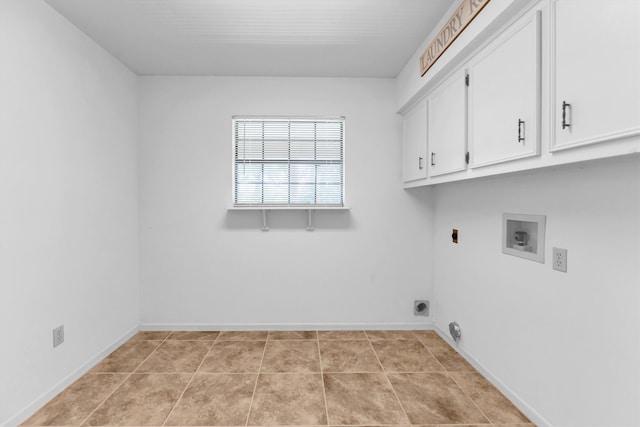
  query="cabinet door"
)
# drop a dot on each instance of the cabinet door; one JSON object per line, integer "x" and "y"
{"x": 415, "y": 143}
{"x": 447, "y": 126}
{"x": 504, "y": 96}
{"x": 597, "y": 71}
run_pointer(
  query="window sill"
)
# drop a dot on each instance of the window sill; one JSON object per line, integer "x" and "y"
{"x": 308, "y": 209}
{"x": 287, "y": 208}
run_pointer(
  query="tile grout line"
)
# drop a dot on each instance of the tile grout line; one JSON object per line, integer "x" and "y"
{"x": 447, "y": 372}
{"x": 190, "y": 381}
{"x": 126, "y": 378}
{"x": 324, "y": 391}
{"x": 105, "y": 399}
{"x": 160, "y": 345}
{"x": 384, "y": 372}
{"x": 255, "y": 387}
{"x": 470, "y": 398}
{"x": 431, "y": 353}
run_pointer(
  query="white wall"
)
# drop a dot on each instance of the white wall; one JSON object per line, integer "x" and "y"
{"x": 68, "y": 225}
{"x": 202, "y": 266}
{"x": 566, "y": 343}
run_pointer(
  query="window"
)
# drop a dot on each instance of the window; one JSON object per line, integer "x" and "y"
{"x": 297, "y": 162}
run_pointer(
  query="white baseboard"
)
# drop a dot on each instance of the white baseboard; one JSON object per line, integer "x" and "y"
{"x": 522, "y": 405}
{"x": 428, "y": 325}
{"x": 31, "y": 408}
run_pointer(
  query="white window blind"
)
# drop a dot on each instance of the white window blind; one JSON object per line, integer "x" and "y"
{"x": 288, "y": 162}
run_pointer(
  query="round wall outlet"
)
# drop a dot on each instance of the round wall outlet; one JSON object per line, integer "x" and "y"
{"x": 421, "y": 307}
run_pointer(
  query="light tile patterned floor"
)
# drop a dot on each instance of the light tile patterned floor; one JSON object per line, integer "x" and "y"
{"x": 305, "y": 378}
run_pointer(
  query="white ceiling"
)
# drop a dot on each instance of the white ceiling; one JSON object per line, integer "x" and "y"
{"x": 319, "y": 38}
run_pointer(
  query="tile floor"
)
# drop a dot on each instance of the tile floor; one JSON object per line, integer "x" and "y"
{"x": 308, "y": 378}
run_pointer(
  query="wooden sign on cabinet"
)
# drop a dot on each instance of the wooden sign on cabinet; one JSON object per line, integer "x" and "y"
{"x": 456, "y": 24}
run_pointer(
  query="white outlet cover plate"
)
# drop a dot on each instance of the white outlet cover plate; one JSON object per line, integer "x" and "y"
{"x": 559, "y": 259}
{"x": 58, "y": 335}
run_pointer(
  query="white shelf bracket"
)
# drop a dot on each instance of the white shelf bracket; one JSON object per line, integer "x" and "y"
{"x": 310, "y": 220}
{"x": 264, "y": 210}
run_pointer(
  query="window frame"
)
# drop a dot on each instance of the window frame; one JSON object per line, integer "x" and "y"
{"x": 285, "y": 206}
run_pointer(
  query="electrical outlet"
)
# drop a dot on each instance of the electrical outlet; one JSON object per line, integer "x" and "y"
{"x": 58, "y": 335}
{"x": 560, "y": 259}
{"x": 421, "y": 307}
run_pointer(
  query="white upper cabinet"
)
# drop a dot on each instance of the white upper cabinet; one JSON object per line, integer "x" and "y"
{"x": 556, "y": 82}
{"x": 415, "y": 143}
{"x": 597, "y": 71}
{"x": 504, "y": 96}
{"x": 447, "y": 126}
